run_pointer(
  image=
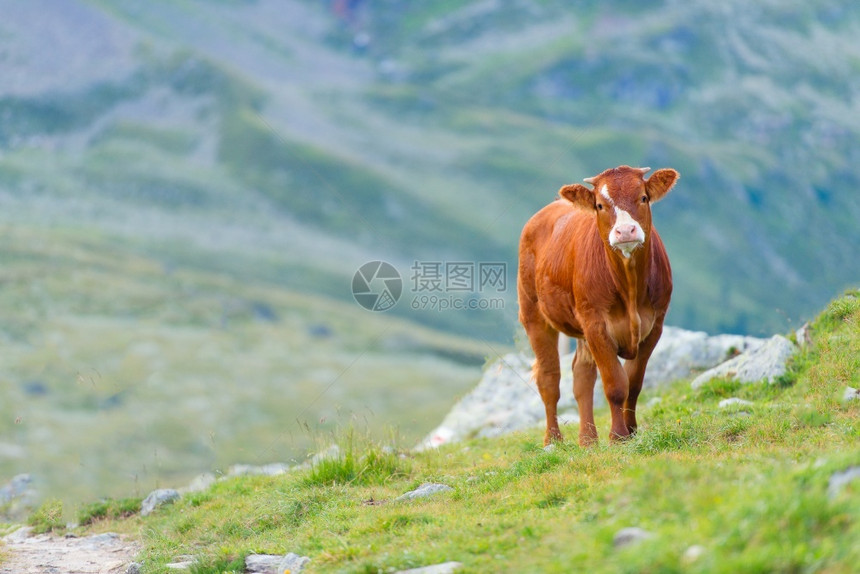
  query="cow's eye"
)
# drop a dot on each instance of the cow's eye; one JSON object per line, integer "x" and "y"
{"x": 599, "y": 207}
{"x": 644, "y": 199}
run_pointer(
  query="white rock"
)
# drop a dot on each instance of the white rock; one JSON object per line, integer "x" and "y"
{"x": 506, "y": 398}
{"x": 731, "y": 401}
{"x": 804, "y": 336}
{"x": 158, "y": 498}
{"x": 444, "y": 568}
{"x": 631, "y": 535}
{"x": 425, "y": 490}
{"x": 262, "y": 563}
{"x": 693, "y": 553}
{"x": 839, "y": 480}
{"x": 549, "y": 448}
{"x": 292, "y": 563}
{"x": 764, "y": 363}
{"x": 272, "y": 563}
{"x": 850, "y": 394}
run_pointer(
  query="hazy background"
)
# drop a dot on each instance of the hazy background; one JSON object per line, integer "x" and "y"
{"x": 187, "y": 189}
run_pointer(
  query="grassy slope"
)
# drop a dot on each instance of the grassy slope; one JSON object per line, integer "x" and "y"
{"x": 121, "y": 373}
{"x": 749, "y": 487}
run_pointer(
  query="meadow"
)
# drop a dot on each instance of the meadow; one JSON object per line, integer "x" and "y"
{"x": 744, "y": 488}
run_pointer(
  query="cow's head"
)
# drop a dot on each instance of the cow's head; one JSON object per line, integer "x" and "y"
{"x": 621, "y": 200}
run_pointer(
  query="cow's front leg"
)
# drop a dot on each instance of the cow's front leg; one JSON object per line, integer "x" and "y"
{"x": 635, "y": 370}
{"x": 615, "y": 385}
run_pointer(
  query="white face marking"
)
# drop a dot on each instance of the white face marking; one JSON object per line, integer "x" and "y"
{"x": 629, "y": 240}
{"x": 604, "y": 191}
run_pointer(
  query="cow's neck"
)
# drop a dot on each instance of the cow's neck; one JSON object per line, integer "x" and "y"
{"x": 629, "y": 275}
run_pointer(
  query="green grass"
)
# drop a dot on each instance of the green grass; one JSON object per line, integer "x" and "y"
{"x": 749, "y": 486}
{"x": 108, "y": 509}
{"x": 48, "y": 517}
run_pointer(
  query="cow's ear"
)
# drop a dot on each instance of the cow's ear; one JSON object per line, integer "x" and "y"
{"x": 578, "y": 194}
{"x": 660, "y": 182}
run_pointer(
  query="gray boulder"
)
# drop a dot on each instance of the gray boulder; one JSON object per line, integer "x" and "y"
{"x": 17, "y": 497}
{"x": 631, "y": 535}
{"x": 271, "y": 564}
{"x": 158, "y": 498}
{"x": 839, "y": 480}
{"x": 506, "y": 398}
{"x": 425, "y": 490}
{"x": 766, "y": 362}
{"x": 444, "y": 568}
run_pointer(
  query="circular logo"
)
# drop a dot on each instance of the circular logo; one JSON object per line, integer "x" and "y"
{"x": 377, "y": 286}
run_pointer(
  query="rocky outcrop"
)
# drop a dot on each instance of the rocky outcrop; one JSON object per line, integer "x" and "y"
{"x": 764, "y": 363}
{"x": 17, "y": 497}
{"x": 506, "y": 398}
{"x": 158, "y": 498}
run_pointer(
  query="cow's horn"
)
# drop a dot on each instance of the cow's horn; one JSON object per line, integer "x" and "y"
{"x": 643, "y": 170}
{"x": 590, "y": 180}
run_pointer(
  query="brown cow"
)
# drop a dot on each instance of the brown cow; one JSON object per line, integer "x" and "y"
{"x": 593, "y": 267}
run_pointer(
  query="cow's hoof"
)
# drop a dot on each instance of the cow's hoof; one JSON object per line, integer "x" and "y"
{"x": 552, "y": 437}
{"x": 615, "y": 437}
{"x": 588, "y": 441}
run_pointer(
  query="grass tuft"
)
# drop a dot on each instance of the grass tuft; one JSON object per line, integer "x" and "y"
{"x": 48, "y": 517}
{"x": 357, "y": 460}
{"x": 108, "y": 509}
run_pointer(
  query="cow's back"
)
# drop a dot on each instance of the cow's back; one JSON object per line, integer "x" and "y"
{"x": 552, "y": 243}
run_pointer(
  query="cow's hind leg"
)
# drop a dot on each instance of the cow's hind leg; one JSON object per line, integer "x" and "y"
{"x": 547, "y": 372}
{"x": 584, "y": 377}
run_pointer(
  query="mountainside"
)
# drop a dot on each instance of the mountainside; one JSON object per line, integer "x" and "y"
{"x": 326, "y": 137}
{"x": 187, "y": 189}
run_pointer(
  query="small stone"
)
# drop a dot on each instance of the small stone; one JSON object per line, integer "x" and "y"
{"x": 444, "y": 568}
{"x": 292, "y": 563}
{"x": 804, "y": 336}
{"x": 630, "y": 535}
{"x": 186, "y": 565}
{"x": 732, "y": 401}
{"x": 693, "y": 553}
{"x": 841, "y": 479}
{"x": 262, "y": 563}
{"x": 550, "y": 447}
{"x": 158, "y": 498}
{"x": 133, "y": 568}
{"x": 850, "y": 394}
{"x": 275, "y": 564}
{"x": 425, "y": 490}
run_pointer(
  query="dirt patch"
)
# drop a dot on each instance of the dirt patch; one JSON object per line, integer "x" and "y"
{"x": 22, "y": 553}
